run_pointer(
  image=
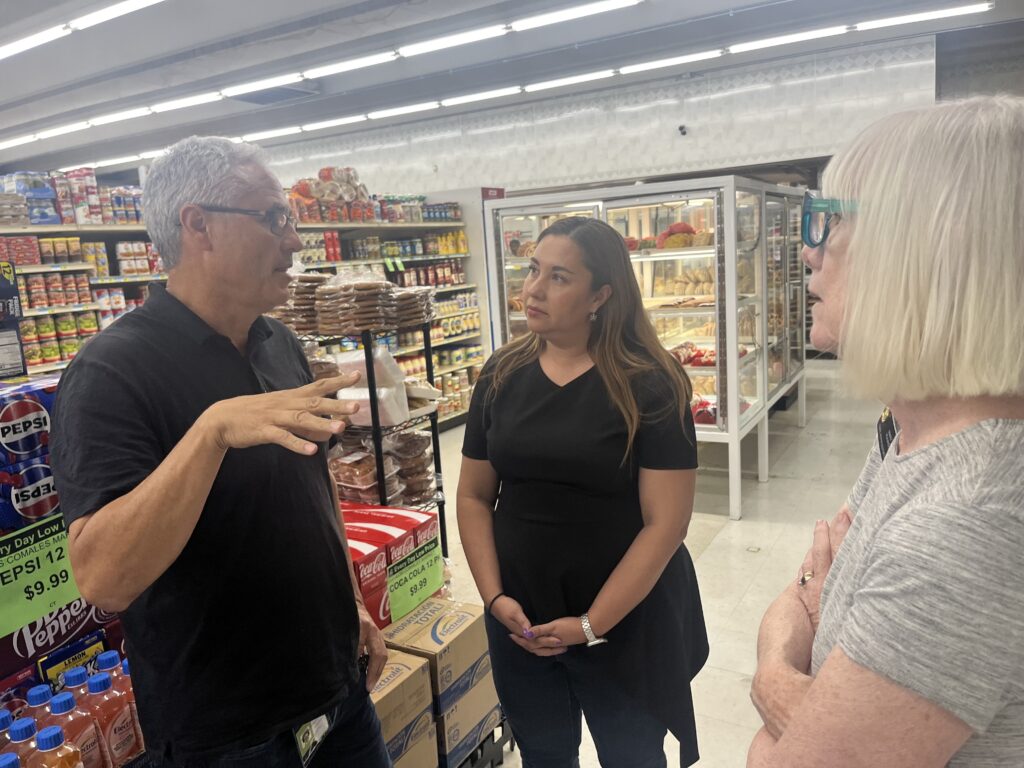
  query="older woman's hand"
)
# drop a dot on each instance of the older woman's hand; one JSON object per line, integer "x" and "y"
{"x": 827, "y": 540}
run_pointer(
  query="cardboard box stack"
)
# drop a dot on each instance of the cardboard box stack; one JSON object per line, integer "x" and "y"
{"x": 404, "y": 704}
{"x": 451, "y": 638}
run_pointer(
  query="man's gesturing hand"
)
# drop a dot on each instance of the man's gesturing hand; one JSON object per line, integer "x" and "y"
{"x": 295, "y": 419}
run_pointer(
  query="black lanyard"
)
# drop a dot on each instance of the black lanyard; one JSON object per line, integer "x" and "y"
{"x": 887, "y": 429}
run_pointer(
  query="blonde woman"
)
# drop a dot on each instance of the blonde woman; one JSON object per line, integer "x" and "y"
{"x": 904, "y": 646}
{"x": 575, "y": 496}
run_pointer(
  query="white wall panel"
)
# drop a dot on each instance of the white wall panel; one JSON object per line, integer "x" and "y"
{"x": 794, "y": 108}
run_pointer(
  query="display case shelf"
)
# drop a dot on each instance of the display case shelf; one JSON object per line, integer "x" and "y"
{"x": 126, "y": 279}
{"x": 35, "y": 370}
{"x": 681, "y": 254}
{"x": 74, "y": 229}
{"x": 42, "y": 269}
{"x": 405, "y": 226}
{"x": 392, "y": 259}
{"x": 435, "y": 344}
{"x": 454, "y": 288}
{"x": 460, "y": 313}
{"x": 443, "y": 371}
{"x": 72, "y": 308}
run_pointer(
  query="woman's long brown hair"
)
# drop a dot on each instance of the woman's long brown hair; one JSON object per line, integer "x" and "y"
{"x": 623, "y": 342}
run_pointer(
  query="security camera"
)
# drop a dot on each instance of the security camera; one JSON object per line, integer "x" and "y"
{"x": 682, "y": 130}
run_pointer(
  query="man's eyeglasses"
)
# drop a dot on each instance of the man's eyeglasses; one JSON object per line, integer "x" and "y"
{"x": 817, "y": 216}
{"x": 276, "y": 218}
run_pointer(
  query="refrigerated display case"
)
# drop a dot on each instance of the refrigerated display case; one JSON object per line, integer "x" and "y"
{"x": 715, "y": 260}
{"x": 517, "y": 233}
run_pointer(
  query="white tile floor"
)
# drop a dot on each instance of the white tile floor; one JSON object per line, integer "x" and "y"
{"x": 742, "y": 566}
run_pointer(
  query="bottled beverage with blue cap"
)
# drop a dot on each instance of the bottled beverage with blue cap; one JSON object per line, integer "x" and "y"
{"x": 39, "y": 706}
{"x": 23, "y": 739}
{"x": 5, "y": 723}
{"x": 10, "y": 760}
{"x": 53, "y": 751}
{"x": 76, "y": 680}
{"x": 114, "y": 716}
{"x": 80, "y": 729}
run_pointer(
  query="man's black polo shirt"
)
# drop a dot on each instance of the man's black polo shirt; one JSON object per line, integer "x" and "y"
{"x": 254, "y": 628}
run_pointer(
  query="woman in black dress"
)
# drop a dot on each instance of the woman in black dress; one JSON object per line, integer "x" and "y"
{"x": 575, "y": 496}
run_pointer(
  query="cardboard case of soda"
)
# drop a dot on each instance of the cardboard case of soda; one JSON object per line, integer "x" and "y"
{"x": 27, "y": 491}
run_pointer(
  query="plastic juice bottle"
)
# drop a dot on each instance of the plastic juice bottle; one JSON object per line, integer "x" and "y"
{"x": 124, "y": 686}
{"x": 23, "y": 734}
{"x": 76, "y": 680}
{"x": 81, "y": 730}
{"x": 115, "y": 719}
{"x": 54, "y": 751}
{"x": 5, "y": 723}
{"x": 9, "y": 760}
{"x": 110, "y": 662}
{"x": 38, "y": 706}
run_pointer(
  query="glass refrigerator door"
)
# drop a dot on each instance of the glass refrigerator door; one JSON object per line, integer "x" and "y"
{"x": 796, "y": 319}
{"x": 776, "y": 227}
{"x": 518, "y": 232}
{"x": 673, "y": 248}
{"x": 750, "y": 293}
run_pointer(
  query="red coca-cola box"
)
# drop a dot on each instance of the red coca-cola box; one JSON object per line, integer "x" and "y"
{"x": 397, "y": 542}
{"x": 370, "y": 562}
{"x": 378, "y": 605}
{"x": 48, "y": 633}
{"x": 423, "y": 524}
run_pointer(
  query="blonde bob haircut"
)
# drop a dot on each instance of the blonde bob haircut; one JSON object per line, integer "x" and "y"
{"x": 935, "y": 291}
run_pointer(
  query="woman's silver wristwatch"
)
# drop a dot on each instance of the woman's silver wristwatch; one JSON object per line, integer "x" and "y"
{"x": 588, "y": 631}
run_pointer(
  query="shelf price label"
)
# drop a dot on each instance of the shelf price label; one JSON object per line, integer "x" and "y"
{"x": 389, "y": 264}
{"x": 414, "y": 578}
{"x": 35, "y": 574}
{"x": 399, "y": 264}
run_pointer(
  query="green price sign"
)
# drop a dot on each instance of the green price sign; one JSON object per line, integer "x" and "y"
{"x": 389, "y": 264}
{"x": 399, "y": 264}
{"x": 35, "y": 574}
{"x": 414, "y": 578}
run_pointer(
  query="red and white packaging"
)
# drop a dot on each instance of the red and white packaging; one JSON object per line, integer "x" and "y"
{"x": 378, "y": 605}
{"x": 397, "y": 542}
{"x": 424, "y": 525}
{"x": 370, "y": 562}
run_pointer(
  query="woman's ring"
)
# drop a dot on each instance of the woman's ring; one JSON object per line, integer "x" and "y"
{"x": 807, "y": 576}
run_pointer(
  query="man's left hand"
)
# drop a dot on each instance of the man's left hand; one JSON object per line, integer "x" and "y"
{"x": 371, "y": 642}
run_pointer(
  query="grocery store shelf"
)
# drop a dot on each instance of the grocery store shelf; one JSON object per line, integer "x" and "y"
{"x": 701, "y": 370}
{"x": 354, "y": 225}
{"x": 33, "y": 370}
{"x": 453, "y": 288}
{"x": 42, "y": 269}
{"x": 455, "y": 368}
{"x": 682, "y": 311}
{"x": 517, "y": 317}
{"x": 457, "y": 339}
{"x": 392, "y": 259}
{"x": 399, "y": 351}
{"x": 517, "y": 263}
{"x": 125, "y": 279}
{"x": 43, "y": 311}
{"x": 460, "y": 313}
{"x": 453, "y": 420}
{"x": 71, "y": 229}
{"x": 702, "y": 252}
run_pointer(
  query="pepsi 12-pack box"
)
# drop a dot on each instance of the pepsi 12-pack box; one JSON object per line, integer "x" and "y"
{"x": 27, "y": 491}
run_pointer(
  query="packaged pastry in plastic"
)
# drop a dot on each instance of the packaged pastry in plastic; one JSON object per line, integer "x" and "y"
{"x": 359, "y": 470}
{"x": 411, "y": 445}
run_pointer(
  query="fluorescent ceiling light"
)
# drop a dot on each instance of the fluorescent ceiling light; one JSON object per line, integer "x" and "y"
{"x": 799, "y": 37}
{"x": 335, "y": 153}
{"x": 569, "y": 81}
{"x": 382, "y": 113}
{"x": 673, "y": 62}
{"x": 568, "y": 14}
{"x": 39, "y": 38}
{"x": 451, "y": 41}
{"x": 188, "y": 101}
{"x": 483, "y": 96}
{"x": 18, "y": 141}
{"x": 117, "y": 117}
{"x": 334, "y": 123}
{"x": 153, "y": 153}
{"x": 236, "y": 140}
{"x": 259, "y": 135}
{"x": 351, "y": 64}
{"x": 76, "y": 167}
{"x": 913, "y": 18}
{"x": 436, "y": 137}
{"x": 110, "y": 12}
{"x": 60, "y": 131}
{"x": 117, "y": 161}
{"x": 260, "y": 85}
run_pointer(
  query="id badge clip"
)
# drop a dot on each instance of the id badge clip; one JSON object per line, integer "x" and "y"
{"x": 309, "y": 736}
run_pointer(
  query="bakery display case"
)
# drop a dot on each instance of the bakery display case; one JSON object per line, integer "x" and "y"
{"x": 719, "y": 272}
{"x": 517, "y": 233}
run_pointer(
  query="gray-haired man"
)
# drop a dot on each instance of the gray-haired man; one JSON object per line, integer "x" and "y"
{"x": 189, "y": 448}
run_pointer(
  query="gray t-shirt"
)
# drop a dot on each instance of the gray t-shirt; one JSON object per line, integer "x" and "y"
{"x": 928, "y": 587}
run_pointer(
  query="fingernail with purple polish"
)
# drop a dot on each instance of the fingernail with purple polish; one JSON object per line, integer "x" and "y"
{"x": 528, "y": 634}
